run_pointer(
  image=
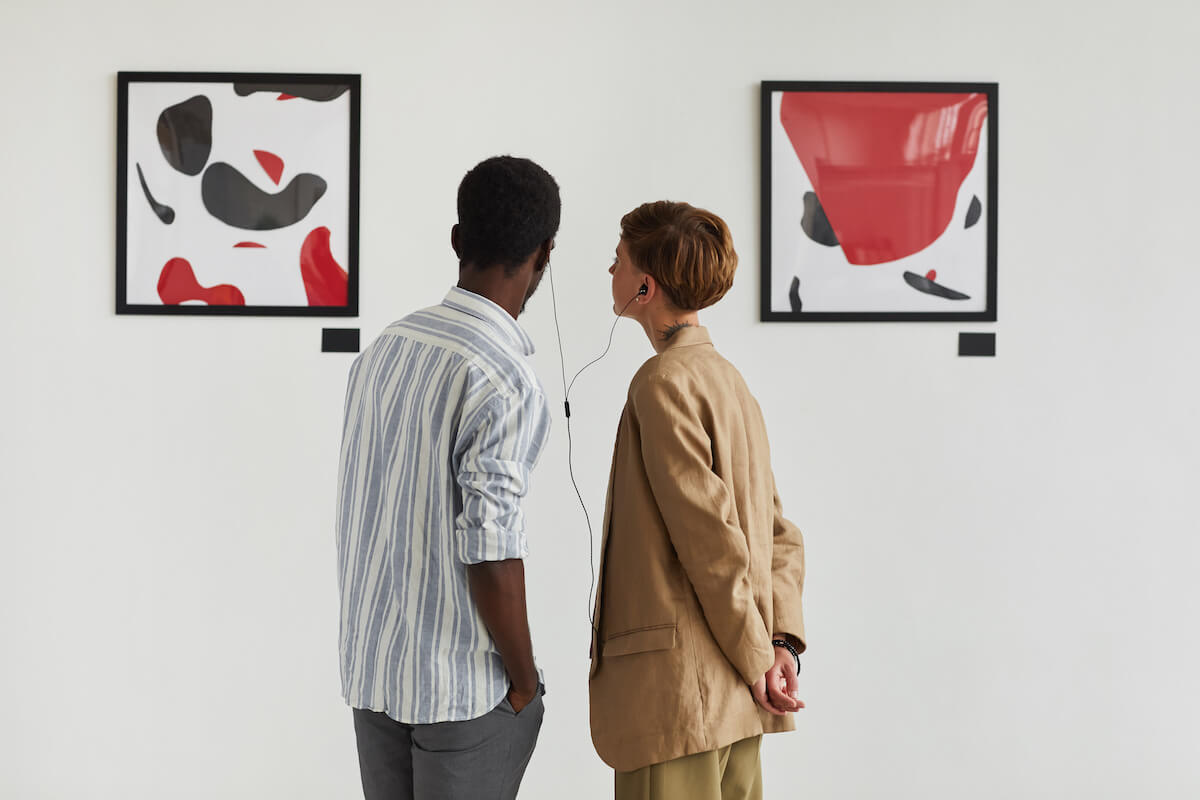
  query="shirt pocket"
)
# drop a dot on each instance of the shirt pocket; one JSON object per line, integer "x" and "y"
{"x": 640, "y": 640}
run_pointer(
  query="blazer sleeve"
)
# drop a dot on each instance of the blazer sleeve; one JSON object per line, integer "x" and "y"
{"x": 787, "y": 576}
{"x": 697, "y": 509}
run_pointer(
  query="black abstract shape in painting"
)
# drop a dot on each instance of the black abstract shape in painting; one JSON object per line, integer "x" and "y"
{"x": 320, "y": 92}
{"x": 794, "y": 295}
{"x": 815, "y": 223}
{"x": 973, "y": 211}
{"x": 232, "y": 198}
{"x": 165, "y": 213}
{"x": 923, "y": 284}
{"x": 185, "y": 134}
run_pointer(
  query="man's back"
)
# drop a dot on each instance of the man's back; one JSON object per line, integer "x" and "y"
{"x": 444, "y": 422}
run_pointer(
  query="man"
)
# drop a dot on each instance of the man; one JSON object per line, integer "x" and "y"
{"x": 445, "y": 420}
{"x": 699, "y": 623}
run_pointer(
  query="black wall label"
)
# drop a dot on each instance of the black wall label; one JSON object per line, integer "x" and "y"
{"x": 339, "y": 340}
{"x": 977, "y": 344}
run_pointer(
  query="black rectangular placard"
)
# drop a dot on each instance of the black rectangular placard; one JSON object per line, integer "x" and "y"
{"x": 339, "y": 340}
{"x": 977, "y": 344}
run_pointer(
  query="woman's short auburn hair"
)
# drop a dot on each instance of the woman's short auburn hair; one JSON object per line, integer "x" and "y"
{"x": 688, "y": 250}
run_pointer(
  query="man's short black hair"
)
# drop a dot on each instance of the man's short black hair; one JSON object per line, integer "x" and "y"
{"x": 507, "y": 207}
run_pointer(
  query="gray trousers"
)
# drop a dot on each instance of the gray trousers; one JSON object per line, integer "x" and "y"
{"x": 476, "y": 759}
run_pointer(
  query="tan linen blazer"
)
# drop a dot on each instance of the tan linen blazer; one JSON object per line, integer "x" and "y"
{"x": 698, "y": 565}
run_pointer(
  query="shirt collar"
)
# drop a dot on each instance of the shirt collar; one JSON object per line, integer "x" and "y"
{"x": 496, "y": 317}
{"x": 687, "y": 337}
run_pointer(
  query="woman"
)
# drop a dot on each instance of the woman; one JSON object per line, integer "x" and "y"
{"x": 698, "y": 618}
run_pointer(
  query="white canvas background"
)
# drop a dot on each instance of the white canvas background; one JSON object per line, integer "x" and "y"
{"x": 308, "y": 136}
{"x": 830, "y": 283}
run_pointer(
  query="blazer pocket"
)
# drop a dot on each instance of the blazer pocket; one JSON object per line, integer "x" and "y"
{"x": 641, "y": 640}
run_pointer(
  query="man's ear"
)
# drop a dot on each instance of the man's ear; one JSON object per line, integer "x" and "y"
{"x": 454, "y": 240}
{"x": 543, "y": 255}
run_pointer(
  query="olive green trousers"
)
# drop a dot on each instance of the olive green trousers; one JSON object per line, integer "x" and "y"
{"x": 730, "y": 773}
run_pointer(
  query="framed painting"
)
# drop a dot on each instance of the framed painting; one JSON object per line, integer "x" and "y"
{"x": 237, "y": 193}
{"x": 878, "y": 201}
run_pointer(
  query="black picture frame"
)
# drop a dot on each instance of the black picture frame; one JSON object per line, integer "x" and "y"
{"x": 134, "y": 210}
{"x": 823, "y": 230}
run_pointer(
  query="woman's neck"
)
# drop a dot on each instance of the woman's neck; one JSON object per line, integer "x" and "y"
{"x": 661, "y": 325}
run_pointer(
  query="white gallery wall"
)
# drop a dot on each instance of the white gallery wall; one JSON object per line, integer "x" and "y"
{"x": 1003, "y": 553}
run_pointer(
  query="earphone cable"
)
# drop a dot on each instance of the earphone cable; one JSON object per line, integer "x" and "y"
{"x": 607, "y": 347}
{"x": 570, "y": 451}
{"x": 591, "y": 613}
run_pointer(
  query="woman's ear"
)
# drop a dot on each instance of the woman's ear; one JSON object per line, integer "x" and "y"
{"x": 648, "y": 290}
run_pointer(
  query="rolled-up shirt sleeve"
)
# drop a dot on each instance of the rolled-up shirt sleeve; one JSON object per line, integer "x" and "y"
{"x": 496, "y": 453}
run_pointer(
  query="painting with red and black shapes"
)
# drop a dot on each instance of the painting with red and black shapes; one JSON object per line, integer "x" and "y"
{"x": 879, "y": 201}
{"x": 239, "y": 194}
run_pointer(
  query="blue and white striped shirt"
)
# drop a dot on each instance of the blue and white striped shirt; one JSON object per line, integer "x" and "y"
{"x": 445, "y": 420}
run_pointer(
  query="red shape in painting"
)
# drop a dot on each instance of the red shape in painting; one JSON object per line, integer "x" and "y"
{"x": 285, "y": 96}
{"x": 249, "y": 244}
{"x": 931, "y": 275}
{"x": 271, "y": 164}
{"x": 886, "y": 166}
{"x": 178, "y": 283}
{"x": 325, "y": 282}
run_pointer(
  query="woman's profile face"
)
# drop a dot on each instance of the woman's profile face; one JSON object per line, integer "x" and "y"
{"x": 626, "y": 280}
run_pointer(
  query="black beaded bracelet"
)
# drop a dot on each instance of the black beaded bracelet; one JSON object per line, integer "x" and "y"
{"x": 786, "y": 645}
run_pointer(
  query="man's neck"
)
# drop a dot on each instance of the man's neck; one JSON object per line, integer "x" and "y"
{"x": 495, "y": 286}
